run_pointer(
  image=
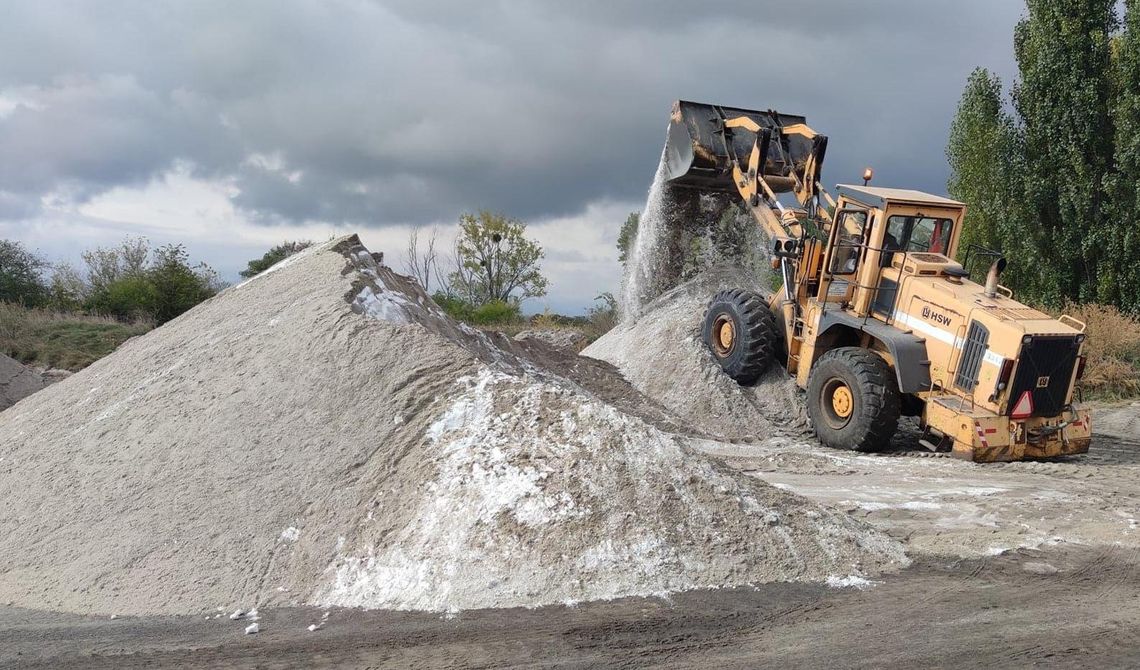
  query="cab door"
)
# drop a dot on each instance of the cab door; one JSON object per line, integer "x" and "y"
{"x": 907, "y": 233}
{"x": 845, "y": 251}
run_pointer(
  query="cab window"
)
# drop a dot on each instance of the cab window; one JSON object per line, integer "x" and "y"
{"x": 848, "y": 243}
{"x": 917, "y": 234}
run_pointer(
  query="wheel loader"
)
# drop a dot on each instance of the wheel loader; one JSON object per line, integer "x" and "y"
{"x": 875, "y": 319}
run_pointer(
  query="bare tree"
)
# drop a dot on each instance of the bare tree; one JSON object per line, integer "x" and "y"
{"x": 105, "y": 266}
{"x": 423, "y": 265}
{"x": 134, "y": 254}
{"x": 68, "y": 288}
{"x": 460, "y": 281}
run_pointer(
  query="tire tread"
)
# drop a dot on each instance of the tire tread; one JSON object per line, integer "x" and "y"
{"x": 877, "y": 416}
{"x": 760, "y": 336}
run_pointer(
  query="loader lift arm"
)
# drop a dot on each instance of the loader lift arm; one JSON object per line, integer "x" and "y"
{"x": 783, "y": 226}
{"x": 758, "y": 194}
{"x": 758, "y": 155}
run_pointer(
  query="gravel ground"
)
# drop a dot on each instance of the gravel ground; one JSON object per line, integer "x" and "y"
{"x": 1003, "y": 611}
{"x": 946, "y": 507}
{"x": 522, "y": 459}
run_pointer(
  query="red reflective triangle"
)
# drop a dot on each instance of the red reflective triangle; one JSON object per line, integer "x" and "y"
{"x": 1024, "y": 406}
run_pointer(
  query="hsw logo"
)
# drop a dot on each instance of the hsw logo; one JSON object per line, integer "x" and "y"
{"x": 942, "y": 319}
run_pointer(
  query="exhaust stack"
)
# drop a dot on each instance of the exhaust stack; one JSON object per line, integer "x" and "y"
{"x": 992, "y": 277}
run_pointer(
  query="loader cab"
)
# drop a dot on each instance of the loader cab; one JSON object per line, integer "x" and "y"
{"x": 881, "y": 236}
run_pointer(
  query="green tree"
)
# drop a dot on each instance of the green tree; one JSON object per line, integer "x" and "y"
{"x": 274, "y": 256}
{"x": 627, "y": 236}
{"x": 977, "y": 151}
{"x": 133, "y": 298}
{"x": 495, "y": 261}
{"x": 986, "y": 172}
{"x": 21, "y": 275}
{"x": 1063, "y": 99}
{"x": 1123, "y": 245}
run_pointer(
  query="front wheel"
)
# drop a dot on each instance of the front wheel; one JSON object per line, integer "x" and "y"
{"x": 853, "y": 400}
{"x": 740, "y": 331}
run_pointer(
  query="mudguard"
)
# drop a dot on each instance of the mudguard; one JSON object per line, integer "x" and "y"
{"x": 912, "y": 365}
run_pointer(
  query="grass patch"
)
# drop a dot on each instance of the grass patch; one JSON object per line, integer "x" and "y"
{"x": 61, "y": 340}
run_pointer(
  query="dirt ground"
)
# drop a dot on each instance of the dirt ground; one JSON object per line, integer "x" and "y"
{"x": 995, "y": 612}
{"x": 1014, "y": 565}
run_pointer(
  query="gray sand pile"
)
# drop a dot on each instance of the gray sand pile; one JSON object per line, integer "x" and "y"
{"x": 663, "y": 356}
{"x": 323, "y": 434}
{"x": 17, "y": 381}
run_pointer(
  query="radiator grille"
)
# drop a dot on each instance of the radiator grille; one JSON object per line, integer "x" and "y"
{"x": 1045, "y": 369}
{"x": 973, "y": 351}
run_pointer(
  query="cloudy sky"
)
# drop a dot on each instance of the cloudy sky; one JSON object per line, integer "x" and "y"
{"x": 231, "y": 126}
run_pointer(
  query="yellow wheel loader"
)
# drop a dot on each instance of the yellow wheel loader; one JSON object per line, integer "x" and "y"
{"x": 875, "y": 318}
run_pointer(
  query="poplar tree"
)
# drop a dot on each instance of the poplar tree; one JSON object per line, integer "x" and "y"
{"x": 1063, "y": 99}
{"x": 983, "y": 151}
{"x": 1123, "y": 247}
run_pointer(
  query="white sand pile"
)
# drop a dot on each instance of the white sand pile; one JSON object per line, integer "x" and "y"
{"x": 322, "y": 434}
{"x": 17, "y": 381}
{"x": 663, "y": 356}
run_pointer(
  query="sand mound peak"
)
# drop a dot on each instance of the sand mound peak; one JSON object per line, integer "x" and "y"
{"x": 324, "y": 434}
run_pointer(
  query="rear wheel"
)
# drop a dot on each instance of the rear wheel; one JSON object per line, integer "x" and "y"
{"x": 853, "y": 400}
{"x": 740, "y": 331}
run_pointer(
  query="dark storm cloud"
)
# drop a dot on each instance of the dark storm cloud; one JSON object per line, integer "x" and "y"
{"x": 411, "y": 111}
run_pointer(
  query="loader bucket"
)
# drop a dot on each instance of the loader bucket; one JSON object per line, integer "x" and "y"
{"x": 699, "y": 150}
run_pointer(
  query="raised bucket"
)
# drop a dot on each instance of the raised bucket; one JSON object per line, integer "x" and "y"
{"x": 699, "y": 150}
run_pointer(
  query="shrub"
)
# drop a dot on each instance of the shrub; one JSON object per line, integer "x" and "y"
{"x": 601, "y": 317}
{"x": 127, "y": 299}
{"x": 274, "y": 256}
{"x": 547, "y": 320}
{"x": 456, "y": 308}
{"x": 496, "y": 312}
{"x": 121, "y": 283}
{"x": 1113, "y": 350}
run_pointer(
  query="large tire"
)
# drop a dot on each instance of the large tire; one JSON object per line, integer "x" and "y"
{"x": 740, "y": 331}
{"x": 853, "y": 400}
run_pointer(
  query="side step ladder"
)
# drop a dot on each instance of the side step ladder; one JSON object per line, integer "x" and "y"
{"x": 935, "y": 440}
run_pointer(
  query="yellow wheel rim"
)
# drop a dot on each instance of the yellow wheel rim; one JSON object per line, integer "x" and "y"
{"x": 841, "y": 401}
{"x": 723, "y": 335}
{"x": 726, "y": 334}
